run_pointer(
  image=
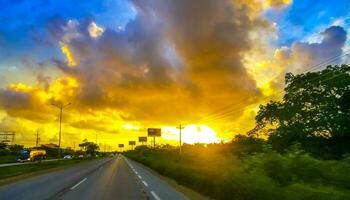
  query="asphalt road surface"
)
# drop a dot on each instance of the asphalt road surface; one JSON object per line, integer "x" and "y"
{"x": 110, "y": 178}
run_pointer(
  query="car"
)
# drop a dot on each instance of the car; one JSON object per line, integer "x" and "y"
{"x": 81, "y": 156}
{"x": 66, "y": 157}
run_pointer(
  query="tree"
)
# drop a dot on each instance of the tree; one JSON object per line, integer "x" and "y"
{"x": 315, "y": 112}
{"x": 3, "y": 145}
{"x": 89, "y": 147}
{"x": 16, "y": 148}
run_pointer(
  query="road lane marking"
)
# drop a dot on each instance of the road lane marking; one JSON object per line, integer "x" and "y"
{"x": 145, "y": 183}
{"x": 155, "y": 195}
{"x": 139, "y": 176}
{"x": 76, "y": 185}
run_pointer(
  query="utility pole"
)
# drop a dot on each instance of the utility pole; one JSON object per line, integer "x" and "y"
{"x": 61, "y": 107}
{"x": 154, "y": 142}
{"x": 180, "y": 140}
{"x": 37, "y": 138}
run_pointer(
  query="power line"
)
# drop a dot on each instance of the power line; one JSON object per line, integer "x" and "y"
{"x": 228, "y": 112}
{"x": 243, "y": 101}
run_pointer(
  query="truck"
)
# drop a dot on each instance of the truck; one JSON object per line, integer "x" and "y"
{"x": 32, "y": 155}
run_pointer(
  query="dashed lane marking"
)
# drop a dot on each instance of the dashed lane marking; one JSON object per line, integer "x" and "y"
{"x": 155, "y": 195}
{"x": 76, "y": 185}
{"x": 145, "y": 183}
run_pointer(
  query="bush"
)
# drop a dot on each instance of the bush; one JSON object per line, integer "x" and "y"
{"x": 265, "y": 175}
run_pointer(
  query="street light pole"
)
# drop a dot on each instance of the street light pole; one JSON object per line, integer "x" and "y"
{"x": 61, "y": 107}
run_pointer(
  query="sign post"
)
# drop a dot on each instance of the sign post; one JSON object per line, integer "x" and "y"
{"x": 132, "y": 144}
{"x": 121, "y": 146}
{"x": 154, "y": 132}
{"x": 142, "y": 139}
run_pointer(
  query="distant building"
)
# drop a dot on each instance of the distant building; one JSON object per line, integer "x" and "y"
{"x": 50, "y": 146}
{"x": 51, "y": 149}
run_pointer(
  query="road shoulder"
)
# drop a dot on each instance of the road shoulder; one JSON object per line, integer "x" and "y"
{"x": 191, "y": 194}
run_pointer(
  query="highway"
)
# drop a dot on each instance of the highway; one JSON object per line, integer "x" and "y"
{"x": 108, "y": 178}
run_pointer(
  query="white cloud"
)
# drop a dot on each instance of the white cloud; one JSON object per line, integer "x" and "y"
{"x": 94, "y": 30}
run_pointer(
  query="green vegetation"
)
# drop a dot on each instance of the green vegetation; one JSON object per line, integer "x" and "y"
{"x": 304, "y": 153}
{"x": 8, "y": 158}
{"x": 9, "y": 153}
{"x": 89, "y": 147}
{"x": 221, "y": 172}
{"x": 314, "y": 112}
{"x": 17, "y": 170}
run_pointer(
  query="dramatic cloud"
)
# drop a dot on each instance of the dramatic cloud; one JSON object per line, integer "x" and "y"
{"x": 301, "y": 56}
{"x": 170, "y": 56}
{"x": 172, "y": 61}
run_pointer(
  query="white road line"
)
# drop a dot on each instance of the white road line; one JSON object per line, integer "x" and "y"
{"x": 76, "y": 185}
{"x": 145, "y": 183}
{"x": 155, "y": 195}
{"x": 139, "y": 176}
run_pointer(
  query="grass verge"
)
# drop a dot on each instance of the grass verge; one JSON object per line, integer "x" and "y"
{"x": 267, "y": 175}
{"x": 8, "y": 158}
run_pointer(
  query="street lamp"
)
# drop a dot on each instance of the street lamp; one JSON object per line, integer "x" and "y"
{"x": 61, "y": 107}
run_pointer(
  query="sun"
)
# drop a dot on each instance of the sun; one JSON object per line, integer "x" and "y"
{"x": 191, "y": 134}
{"x": 199, "y": 134}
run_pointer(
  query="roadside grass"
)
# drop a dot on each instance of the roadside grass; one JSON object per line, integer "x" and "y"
{"x": 8, "y": 158}
{"x": 10, "y": 172}
{"x": 267, "y": 175}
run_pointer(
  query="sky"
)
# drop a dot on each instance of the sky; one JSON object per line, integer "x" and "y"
{"x": 129, "y": 65}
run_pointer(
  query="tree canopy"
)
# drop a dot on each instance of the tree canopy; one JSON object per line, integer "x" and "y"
{"x": 315, "y": 112}
{"x": 89, "y": 147}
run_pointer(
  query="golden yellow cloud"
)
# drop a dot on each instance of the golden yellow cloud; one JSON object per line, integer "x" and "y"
{"x": 190, "y": 68}
{"x": 67, "y": 52}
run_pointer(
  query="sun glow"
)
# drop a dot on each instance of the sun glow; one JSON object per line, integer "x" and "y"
{"x": 191, "y": 134}
{"x": 199, "y": 134}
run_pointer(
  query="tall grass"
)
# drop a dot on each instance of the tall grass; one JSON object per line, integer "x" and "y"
{"x": 265, "y": 175}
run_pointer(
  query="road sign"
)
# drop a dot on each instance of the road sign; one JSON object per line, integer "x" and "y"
{"x": 142, "y": 139}
{"x": 132, "y": 142}
{"x": 121, "y": 145}
{"x": 4, "y": 136}
{"x": 154, "y": 132}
